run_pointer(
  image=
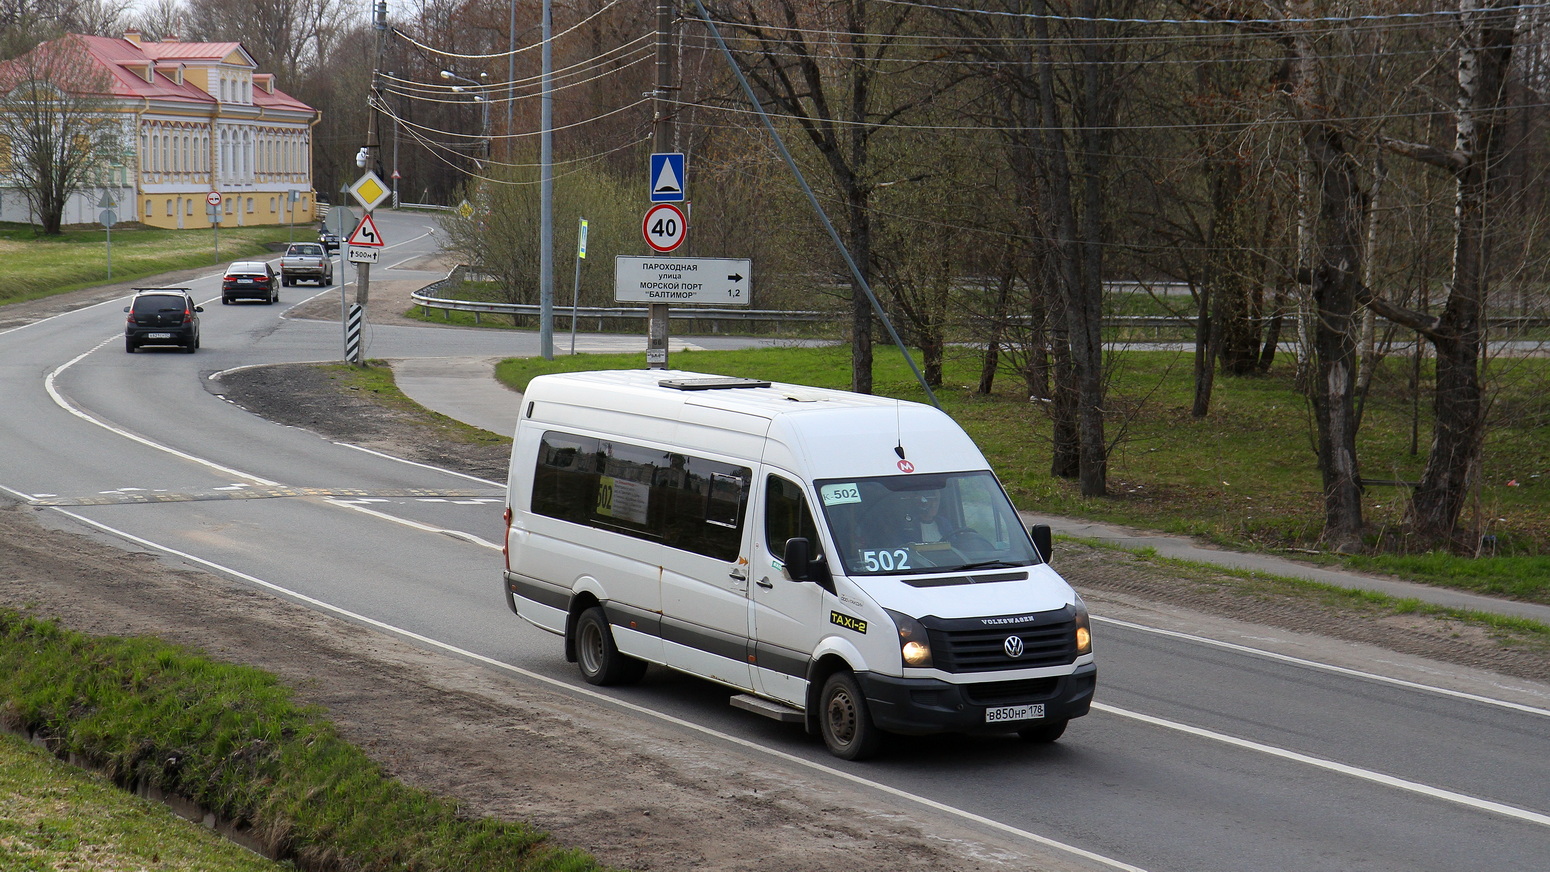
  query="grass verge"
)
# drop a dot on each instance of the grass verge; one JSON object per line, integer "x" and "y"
{"x": 41, "y": 266}
{"x": 1504, "y": 629}
{"x": 375, "y": 380}
{"x": 60, "y": 817}
{"x": 1245, "y": 477}
{"x": 230, "y": 739}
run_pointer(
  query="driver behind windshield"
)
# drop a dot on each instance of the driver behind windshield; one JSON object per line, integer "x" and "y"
{"x": 923, "y": 523}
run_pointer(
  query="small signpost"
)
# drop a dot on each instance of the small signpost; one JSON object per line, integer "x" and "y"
{"x": 213, "y": 211}
{"x": 362, "y": 247}
{"x": 108, "y": 219}
{"x": 575, "y": 297}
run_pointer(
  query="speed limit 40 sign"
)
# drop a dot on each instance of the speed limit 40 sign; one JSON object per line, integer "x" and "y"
{"x": 664, "y": 227}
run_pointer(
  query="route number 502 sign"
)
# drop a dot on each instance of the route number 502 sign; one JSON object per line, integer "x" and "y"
{"x": 664, "y": 227}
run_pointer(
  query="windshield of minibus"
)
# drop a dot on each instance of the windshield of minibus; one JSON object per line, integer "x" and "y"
{"x": 924, "y": 523}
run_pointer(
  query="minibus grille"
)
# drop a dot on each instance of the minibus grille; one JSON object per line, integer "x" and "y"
{"x": 1047, "y": 640}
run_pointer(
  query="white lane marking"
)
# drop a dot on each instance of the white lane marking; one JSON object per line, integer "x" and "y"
{"x": 744, "y": 744}
{"x": 1326, "y": 667}
{"x": 1427, "y": 790}
{"x": 423, "y": 465}
{"x": 416, "y": 525}
{"x": 59, "y": 400}
{"x": 406, "y": 242}
{"x": 116, "y": 301}
{"x": 65, "y": 404}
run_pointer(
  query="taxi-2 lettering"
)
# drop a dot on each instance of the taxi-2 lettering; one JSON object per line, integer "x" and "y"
{"x": 848, "y": 622}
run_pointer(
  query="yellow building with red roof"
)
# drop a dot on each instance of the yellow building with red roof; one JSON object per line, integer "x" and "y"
{"x": 200, "y": 123}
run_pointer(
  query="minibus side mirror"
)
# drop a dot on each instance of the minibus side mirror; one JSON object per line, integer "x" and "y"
{"x": 1042, "y": 540}
{"x": 803, "y": 565}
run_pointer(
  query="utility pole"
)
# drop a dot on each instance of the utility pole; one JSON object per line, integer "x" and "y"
{"x": 546, "y": 191}
{"x": 370, "y": 158}
{"x": 661, "y": 141}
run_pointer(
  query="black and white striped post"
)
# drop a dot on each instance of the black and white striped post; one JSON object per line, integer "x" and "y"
{"x": 352, "y": 333}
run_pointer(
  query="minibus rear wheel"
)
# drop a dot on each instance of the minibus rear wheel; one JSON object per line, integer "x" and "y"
{"x": 598, "y": 656}
{"x": 846, "y": 723}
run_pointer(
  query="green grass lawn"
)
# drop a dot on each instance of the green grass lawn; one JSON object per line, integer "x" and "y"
{"x": 39, "y": 266}
{"x": 228, "y": 738}
{"x": 1245, "y": 476}
{"x": 60, "y": 817}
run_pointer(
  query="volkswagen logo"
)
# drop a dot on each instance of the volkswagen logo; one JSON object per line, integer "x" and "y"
{"x": 1013, "y": 646}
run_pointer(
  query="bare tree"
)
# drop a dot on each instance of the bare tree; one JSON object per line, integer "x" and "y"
{"x": 286, "y": 37}
{"x": 161, "y": 19}
{"x": 827, "y": 67}
{"x": 1488, "y": 31}
{"x": 56, "y": 128}
{"x": 26, "y": 23}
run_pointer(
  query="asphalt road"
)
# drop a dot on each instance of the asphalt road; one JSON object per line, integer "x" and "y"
{"x": 1199, "y": 755}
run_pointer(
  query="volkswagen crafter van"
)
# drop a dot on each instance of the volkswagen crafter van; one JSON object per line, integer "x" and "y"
{"x": 847, "y": 562}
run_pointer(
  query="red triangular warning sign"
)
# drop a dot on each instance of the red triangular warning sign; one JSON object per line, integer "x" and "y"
{"x": 366, "y": 233}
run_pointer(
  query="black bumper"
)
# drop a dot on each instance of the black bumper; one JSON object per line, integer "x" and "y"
{"x": 179, "y": 335}
{"x": 921, "y": 706}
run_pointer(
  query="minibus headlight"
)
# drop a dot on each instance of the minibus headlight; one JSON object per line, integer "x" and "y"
{"x": 1084, "y": 632}
{"x": 914, "y": 644}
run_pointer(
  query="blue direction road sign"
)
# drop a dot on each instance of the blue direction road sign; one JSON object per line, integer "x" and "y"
{"x": 668, "y": 184}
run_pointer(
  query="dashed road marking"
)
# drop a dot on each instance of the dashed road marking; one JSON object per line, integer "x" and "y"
{"x": 132, "y": 495}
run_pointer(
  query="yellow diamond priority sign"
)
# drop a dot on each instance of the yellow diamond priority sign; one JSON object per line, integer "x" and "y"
{"x": 370, "y": 191}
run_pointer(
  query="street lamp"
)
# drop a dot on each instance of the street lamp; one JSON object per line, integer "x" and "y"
{"x": 484, "y": 104}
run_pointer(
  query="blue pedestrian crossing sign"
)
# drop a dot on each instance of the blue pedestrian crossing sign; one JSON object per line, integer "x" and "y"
{"x": 667, "y": 178}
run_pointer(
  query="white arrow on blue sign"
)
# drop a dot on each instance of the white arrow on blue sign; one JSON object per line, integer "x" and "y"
{"x": 668, "y": 184}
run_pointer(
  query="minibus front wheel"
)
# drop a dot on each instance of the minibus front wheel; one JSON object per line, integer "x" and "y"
{"x": 597, "y": 655}
{"x": 844, "y": 719}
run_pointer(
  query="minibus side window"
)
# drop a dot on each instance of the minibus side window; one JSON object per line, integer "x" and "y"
{"x": 680, "y": 500}
{"x": 786, "y": 517}
{"x": 565, "y": 478}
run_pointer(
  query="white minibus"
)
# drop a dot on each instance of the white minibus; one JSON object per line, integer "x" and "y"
{"x": 843, "y": 561}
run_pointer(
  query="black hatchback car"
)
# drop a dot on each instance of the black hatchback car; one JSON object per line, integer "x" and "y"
{"x": 250, "y": 280}
{"x": 162, "y": 316}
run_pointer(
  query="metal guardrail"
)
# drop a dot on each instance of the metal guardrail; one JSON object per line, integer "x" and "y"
{"x": 427, "y": 298}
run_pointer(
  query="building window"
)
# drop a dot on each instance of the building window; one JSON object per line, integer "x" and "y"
{"x": 250, "y": 205}
{"x": 169, "y": 208}
{"x": 190, "y": 206}
{"x": 148, "y": 209}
